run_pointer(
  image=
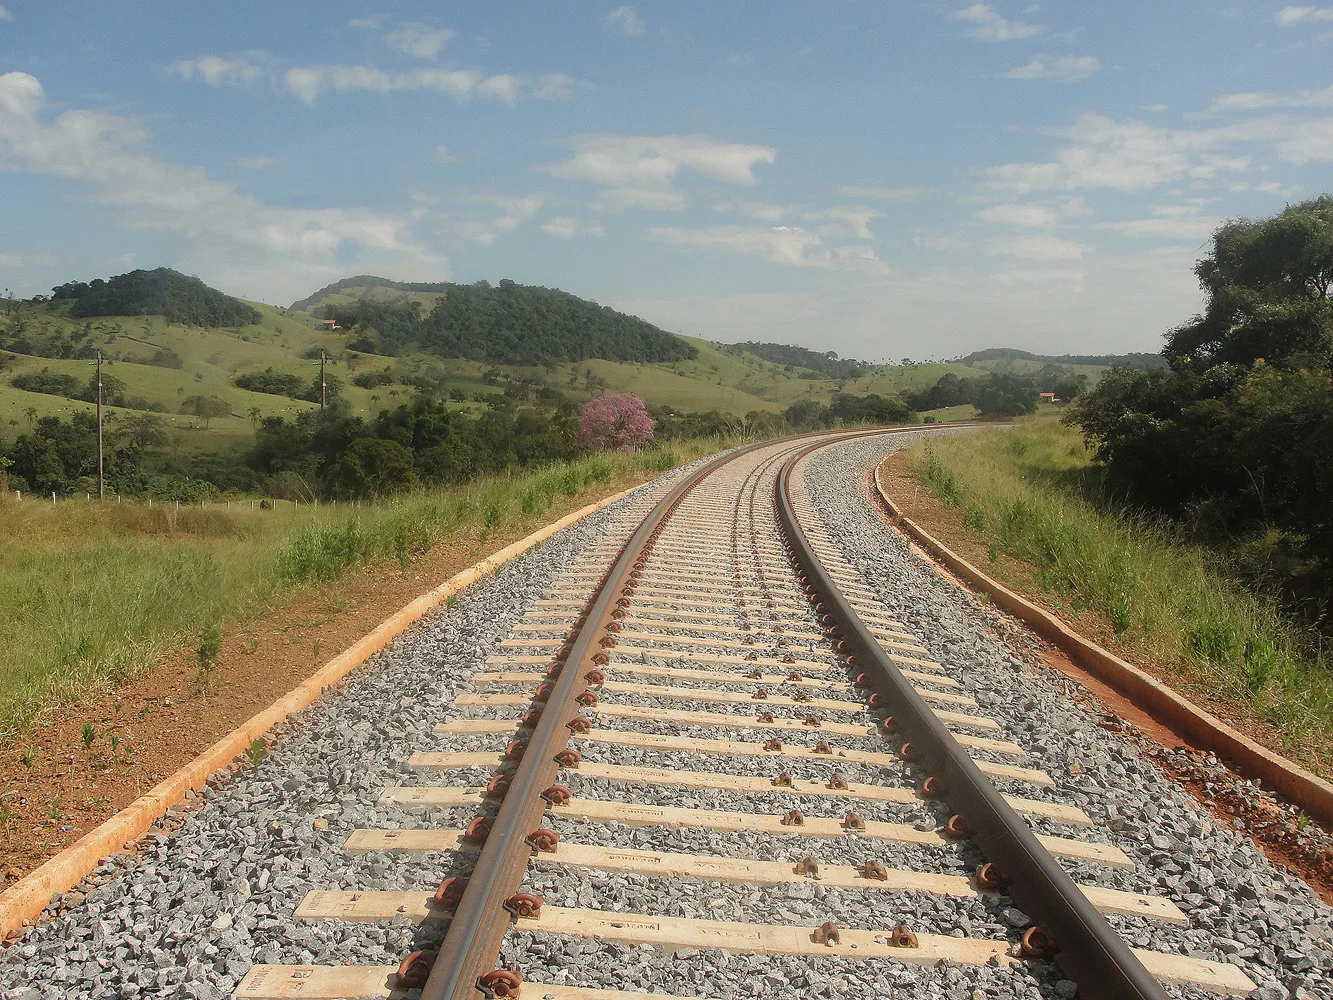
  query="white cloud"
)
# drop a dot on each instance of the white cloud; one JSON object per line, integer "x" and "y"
{"x": 1041, "y": 248}
{"x": 566, "y": 227}
{"x": 504, "y": 87}
{"x": 619, "y": 199}
{"x": 1289, "y": 17}
{"x": 789, "y": 245}
{"x": 365, "y": 23}
{"x": 627, "y": 21}
{"x": 5, "y": 15}
{"x": 26, "y": 259}
{"x": 444, "y": 155}
{"x": 308, "y": 82}
{"x": 1170, "y": 222}
{"x": 653, "y": 161}
{"x": 852, "y": 221}
{"x": 1030, "y": 215}
{"x": 1258, "y": 100}
{"x": 1123, "y": 156}
{"x": 989, "y": 26}
{"x": 217, "y": 70}
{"x": 944, "y": 242}
{"x": 255, "y": 162}
{"x": 1065, "y": 69}
{"x": 893, "y": 195}
{"x": 554, "y": 86}
{"x": 96, "y": 149}
{"x": 418, "y": 40}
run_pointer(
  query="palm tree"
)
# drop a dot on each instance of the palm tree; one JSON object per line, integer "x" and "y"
{"x": 254, "y": 413}
{"x": 31, "y": 414}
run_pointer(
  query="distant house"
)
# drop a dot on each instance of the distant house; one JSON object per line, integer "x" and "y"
{"x": 331, "y": 324}
{"x": 1046, "y": 397}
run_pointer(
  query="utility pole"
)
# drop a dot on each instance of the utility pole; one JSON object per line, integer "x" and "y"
{"x": 100, "y": 484}
{"x": 322, "y": 359}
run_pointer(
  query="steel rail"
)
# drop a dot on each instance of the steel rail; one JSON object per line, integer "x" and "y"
{"x": 477, "y": 929}
{"x": 1088, "y": 949}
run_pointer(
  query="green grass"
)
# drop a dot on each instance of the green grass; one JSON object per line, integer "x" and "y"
{"x": 91, "y": 594}
{"x": 1030, "y": 493}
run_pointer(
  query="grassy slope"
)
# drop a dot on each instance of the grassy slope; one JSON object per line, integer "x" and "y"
{"x": 1021, "y": 498}
{"x": 92, "y": 593}
{"x": 715, "y": 380}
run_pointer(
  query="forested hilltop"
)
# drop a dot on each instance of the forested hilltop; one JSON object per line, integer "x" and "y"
{"x": 507, "y": 323}
{"x": 825, "y": 363}
{"x": 1138, "y": 360}
{"x": 177, "y": 297}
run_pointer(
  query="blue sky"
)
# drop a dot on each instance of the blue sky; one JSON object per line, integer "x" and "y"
{"x": 883, "y": 179}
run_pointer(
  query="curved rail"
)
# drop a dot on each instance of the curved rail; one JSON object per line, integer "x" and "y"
{"x": 474, "y": 936}
{"x": 1090, "y": 951}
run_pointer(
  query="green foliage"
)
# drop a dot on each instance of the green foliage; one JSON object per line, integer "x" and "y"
{"x": 507, "y": 323}
{"x": 47, "y": 381}
{"x": 1236, "y": 439}
{"x": 257, "y": 752}
{"x": 206, "y": 655}
{"x": 272, "y": 382}
{"x": 89, "y": 735}
{"x": 163, "y": 292}
{"x": 1144, "y": 362}
{"x": 942, "y": 481}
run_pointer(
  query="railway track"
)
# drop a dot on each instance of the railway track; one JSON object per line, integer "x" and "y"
{"x": 713, "y": 746}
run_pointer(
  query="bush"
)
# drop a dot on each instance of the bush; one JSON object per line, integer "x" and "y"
{"x": 48, "y": 382}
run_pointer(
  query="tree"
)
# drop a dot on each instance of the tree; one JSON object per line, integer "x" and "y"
{"x": 1241, "y": 425}
{"x": 373, "y": 467}
{"x": 618, "y": 421}
{"x": 1001, "y": 395}
{"x": 205, "y": 407}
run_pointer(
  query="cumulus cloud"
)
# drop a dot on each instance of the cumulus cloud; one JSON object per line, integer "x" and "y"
{"x": 308, "y": 82}
{"x": 1123, "y": 156}
{"x": 640, "y": 171}
{"x": 989, "y": 26}
{"x": 789, "y": 245}
{"x": 5, "y": 15}
{"x": 653, "y": 161}
{"x": 1260, "y": 100}
{"x": 1041, "y": 248}
{"x": 554, "y": 86}
{"x": 418, "y": 40}
{"x": 1169, "y": 222}
{"x": 620, "y": 199}
{"x": 1029, "y": 215}
{"x": 626, "y": 20}
{"x": 567, "y": 227}
{"x": 255, "y": 162}
{"x": 97, "y": 150}
{"x": 218, "y": 70}
{"x": 1289, "y": 17}
{"x": 1065, "y": 69}
{"x": 892, "y": 195}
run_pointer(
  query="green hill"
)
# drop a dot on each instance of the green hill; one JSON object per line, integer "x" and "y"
{"x": 508, "y": 323}
{"x": 162, "y": 292}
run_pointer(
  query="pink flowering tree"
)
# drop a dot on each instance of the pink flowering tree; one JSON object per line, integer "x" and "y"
{"x": 614, "y": 422}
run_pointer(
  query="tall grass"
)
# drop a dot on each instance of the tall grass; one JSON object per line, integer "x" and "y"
{"x": 1030, "y": 494}
{"x": 95, "y": 593}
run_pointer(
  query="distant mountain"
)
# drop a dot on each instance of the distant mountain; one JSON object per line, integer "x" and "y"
{"x": 160, "y": 292}
{"x": 826, "y": 363}
{"x": 1146, "y": 362}
{"x": 507, "y": 323}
